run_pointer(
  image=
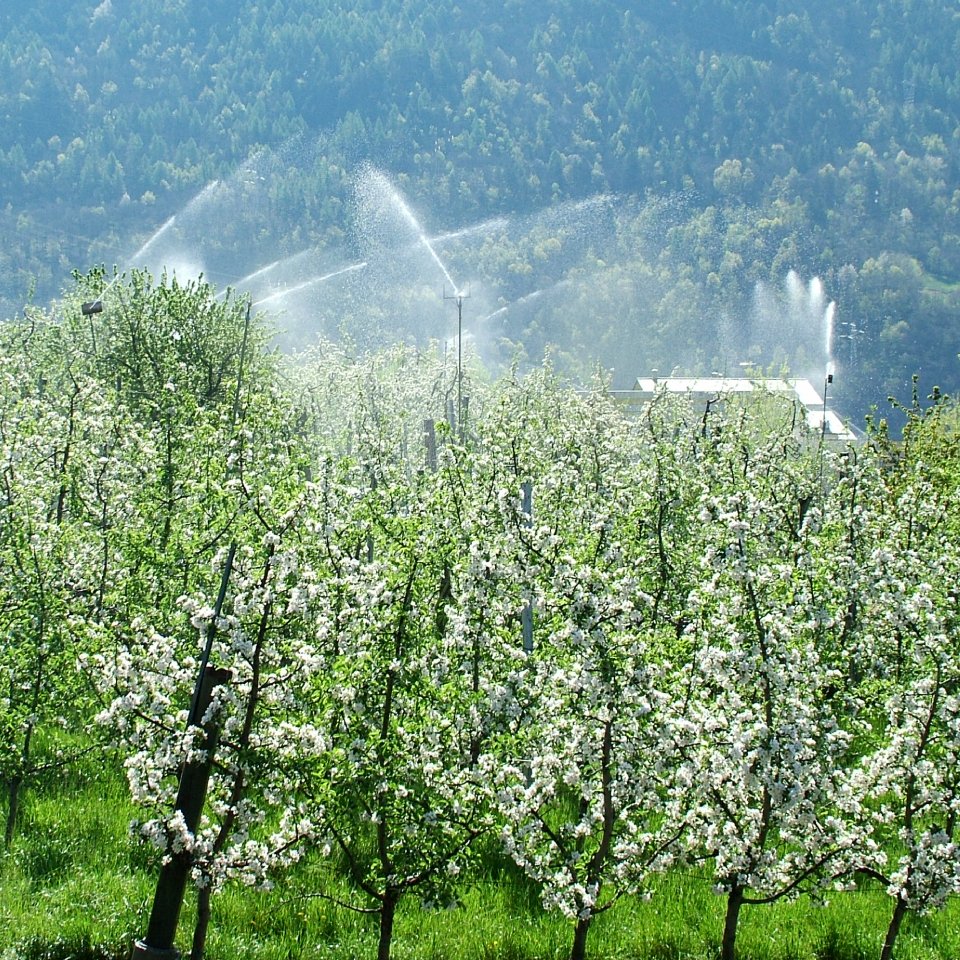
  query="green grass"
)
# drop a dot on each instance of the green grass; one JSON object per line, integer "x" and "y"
{"x": 70, "y": 885}
{"x": 73, "y": 886}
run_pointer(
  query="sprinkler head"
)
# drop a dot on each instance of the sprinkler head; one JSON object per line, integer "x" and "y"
{"x": 91, "y": 306}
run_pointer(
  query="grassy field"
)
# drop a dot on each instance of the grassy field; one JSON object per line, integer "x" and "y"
{"x": 73, "y": 885}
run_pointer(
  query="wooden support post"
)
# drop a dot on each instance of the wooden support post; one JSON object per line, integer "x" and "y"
{"x": 430, "y": 441}
{"x": 172, "y": 884}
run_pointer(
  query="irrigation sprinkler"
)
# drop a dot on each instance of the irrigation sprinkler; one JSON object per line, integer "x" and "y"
{"x": 90, "y": 307}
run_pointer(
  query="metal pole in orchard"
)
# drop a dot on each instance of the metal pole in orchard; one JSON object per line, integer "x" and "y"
{"x": 459, "y": 296}
{"x": 526, "y": 615}
{"x": 172, "y": 884}
{"x": 828, "y": 379}
{"x": 460, "y": 364}
{"x": 464, "y": 417}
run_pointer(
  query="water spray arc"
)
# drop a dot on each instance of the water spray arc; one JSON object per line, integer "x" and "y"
{"x": 256, "y": 275}
{"x": 384, "y": 272}
{"x": 798, "y": 323}
{"x": 96, "y": 306}
{"x": 486, "y": 226}
{"x": 280, "y": 294}
{"x": 154, "y": 239}
{"x": 376, "y": 184}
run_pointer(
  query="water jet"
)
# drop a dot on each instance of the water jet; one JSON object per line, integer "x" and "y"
{"x": 280, "y": 294}
{"x": 374, "y": 185}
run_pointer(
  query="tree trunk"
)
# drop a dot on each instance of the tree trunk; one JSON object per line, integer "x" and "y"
{"x": 899, "y": 912}
{"x": 388, "y": 912}
{"x": 13, "y": 807}
{"x": 728, "y": 949}
{"x": 579, "y": 949}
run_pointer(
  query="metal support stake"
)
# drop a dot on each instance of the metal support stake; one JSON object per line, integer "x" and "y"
{"x": 526, "y": 615}
{"x": 459, "y": 296}
{"x": 823, "y": 423}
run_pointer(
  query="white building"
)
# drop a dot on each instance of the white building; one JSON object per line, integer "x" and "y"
{"x": 710, "y": 390}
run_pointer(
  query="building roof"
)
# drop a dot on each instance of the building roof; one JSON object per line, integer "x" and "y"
{"x": 819, "y": 417}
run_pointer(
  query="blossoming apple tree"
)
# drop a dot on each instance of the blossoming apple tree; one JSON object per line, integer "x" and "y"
{"x": 771, "y": 731}
{"x": 912, "y": 771}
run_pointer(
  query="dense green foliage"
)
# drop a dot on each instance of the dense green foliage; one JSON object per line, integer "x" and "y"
{"x": 785, "y": 135}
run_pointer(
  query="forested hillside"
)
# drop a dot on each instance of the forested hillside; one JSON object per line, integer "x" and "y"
{"x": 724, "y": 143}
